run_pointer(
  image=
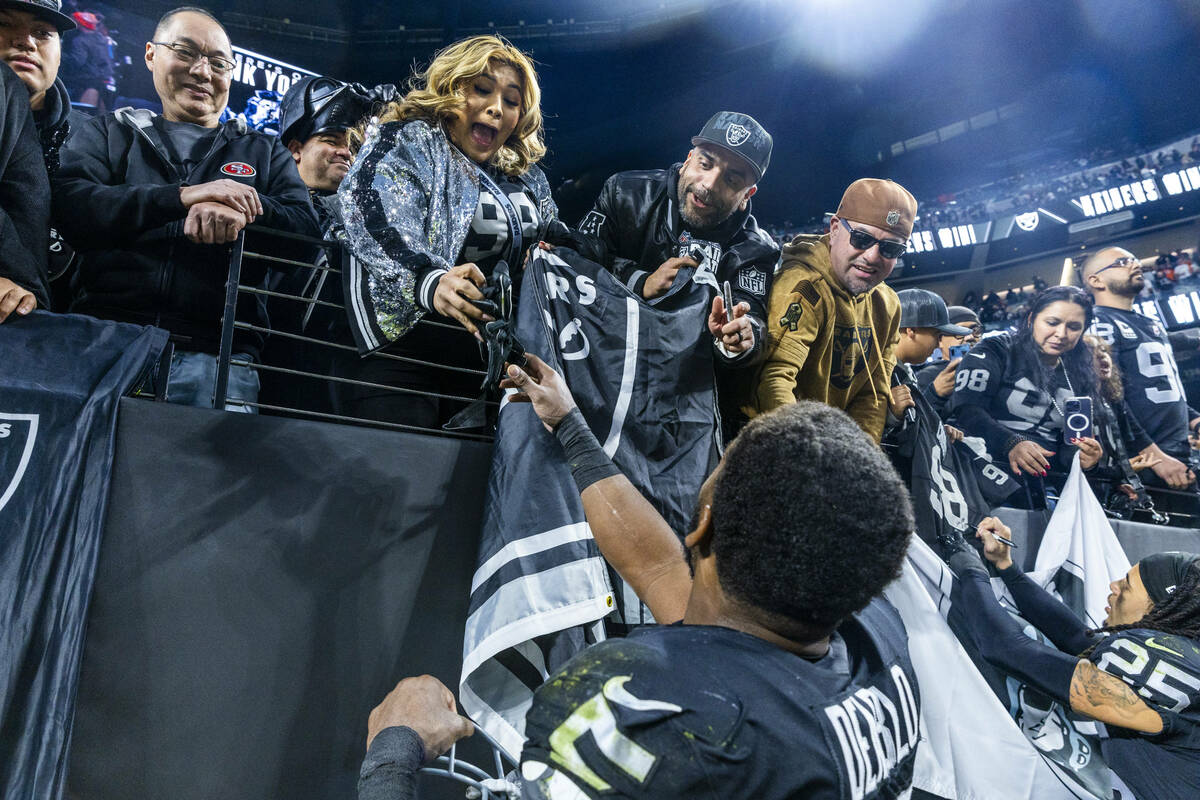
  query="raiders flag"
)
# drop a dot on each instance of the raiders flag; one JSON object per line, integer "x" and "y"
{"x": 63, "y": 375}
{"x": 1079, "y": 554}
{"x": 957, "y": 703}
{"x": 643, "y": 379}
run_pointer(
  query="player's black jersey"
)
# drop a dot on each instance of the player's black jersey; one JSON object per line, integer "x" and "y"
{"x": 700, "y": 711}
{"x": 996, "y": 376}
{"x": 1153, "y": 390}
{"x": 1165, "y": 672}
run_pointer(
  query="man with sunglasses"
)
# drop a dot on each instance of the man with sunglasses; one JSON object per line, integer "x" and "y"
{"x": 832, "y": 322}
{"x": 1149, "y": 375}
{"x": 151, "y": 203}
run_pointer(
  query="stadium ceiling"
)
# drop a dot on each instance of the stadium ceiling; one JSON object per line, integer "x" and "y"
{"x": 839, "y": 83}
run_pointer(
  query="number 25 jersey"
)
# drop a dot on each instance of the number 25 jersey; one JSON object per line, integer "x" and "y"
{"x": 1165, "y": 672}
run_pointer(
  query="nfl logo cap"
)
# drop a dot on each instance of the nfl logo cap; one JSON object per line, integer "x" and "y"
{"x": 881, "y": 203}
{"x": 49, "y": 10}
{"x": 921, "y": 308}
{"x": 741, "y": 135}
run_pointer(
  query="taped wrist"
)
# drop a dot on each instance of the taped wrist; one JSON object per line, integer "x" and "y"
{"x": 586, "y": 458}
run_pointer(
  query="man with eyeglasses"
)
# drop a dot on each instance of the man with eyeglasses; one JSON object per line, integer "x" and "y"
{"x": 832, "y": 322}
{"x": 1149, "y": 375}
{"x": 152, "y": 202}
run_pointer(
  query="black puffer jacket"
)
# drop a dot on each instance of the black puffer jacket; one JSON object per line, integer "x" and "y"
{"x": 116, "y": 200}
{"x": 635, "y": 226}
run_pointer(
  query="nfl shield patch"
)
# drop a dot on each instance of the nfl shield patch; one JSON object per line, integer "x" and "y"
{"x": 753, "y": 281}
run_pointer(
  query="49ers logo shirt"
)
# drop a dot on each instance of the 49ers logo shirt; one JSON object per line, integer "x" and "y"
{"x": 239, "y": 169}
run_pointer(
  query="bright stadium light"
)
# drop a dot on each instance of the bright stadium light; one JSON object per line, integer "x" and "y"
{"x": 855, "y": 37}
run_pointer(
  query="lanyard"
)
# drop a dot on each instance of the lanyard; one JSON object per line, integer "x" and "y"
{"x": 515, "y": 243}
{"x": 515, "y": 239}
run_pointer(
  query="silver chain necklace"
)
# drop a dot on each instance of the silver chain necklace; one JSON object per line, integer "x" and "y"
{"x": 1070, "y": 388}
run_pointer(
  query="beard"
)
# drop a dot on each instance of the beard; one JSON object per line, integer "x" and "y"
{"x": 715, "y": 213}
{"x": 1130, "y": 287}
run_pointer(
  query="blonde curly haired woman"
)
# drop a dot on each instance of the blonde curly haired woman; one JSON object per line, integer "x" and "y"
{"x": 443, "y": 187}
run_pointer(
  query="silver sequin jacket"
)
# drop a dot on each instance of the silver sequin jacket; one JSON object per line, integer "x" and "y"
{"x": 406, "y": 206}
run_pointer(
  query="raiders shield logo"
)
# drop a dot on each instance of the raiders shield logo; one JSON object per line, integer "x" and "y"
{"x": 852, "y": 347}
{"x": 573, "y": 342}
{"x": 18, "y": 432}
{"x": 736, "y": 134}
{"x": 1027, "y": 222}
{"x": 239, "y": 169}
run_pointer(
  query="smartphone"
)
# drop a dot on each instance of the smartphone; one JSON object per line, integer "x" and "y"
{"x": 727, "y": 295}
{"x": 959, "y": 350}
{"x": 1077, "y": 418}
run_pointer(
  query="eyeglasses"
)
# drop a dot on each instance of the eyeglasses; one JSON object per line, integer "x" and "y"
{"x": 1126, "y": 261}
{"x": 190, "y": 55}
{"x": 861, "y": 240}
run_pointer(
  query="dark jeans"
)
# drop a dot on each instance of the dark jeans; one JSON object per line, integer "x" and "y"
{"x": 420, "y": 408}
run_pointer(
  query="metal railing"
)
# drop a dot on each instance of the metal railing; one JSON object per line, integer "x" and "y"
{"x": 230, "y": 325}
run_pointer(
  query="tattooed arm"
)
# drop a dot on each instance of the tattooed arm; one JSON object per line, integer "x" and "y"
{"x": 1109, "y": 699}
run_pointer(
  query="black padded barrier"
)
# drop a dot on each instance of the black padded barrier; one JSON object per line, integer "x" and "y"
{"x": 263, "y": 582}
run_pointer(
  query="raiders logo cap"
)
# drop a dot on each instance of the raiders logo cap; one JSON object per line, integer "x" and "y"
{"x": 882, "y": 203}
{"x": 49, "y": 10}
{"x": 741, "y": 135}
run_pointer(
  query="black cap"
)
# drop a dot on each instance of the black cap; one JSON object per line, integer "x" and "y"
{"x": 49, "y": 10}
{"x": 741, "y": 135}
{"x": 319, "y": 105}
{"x": 962, "y": 314}
{"x": 921, "y": 308}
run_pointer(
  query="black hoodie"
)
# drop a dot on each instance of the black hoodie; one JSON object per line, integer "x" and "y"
{"x": 54, "y": 122}
{"x": 24, "y": 192}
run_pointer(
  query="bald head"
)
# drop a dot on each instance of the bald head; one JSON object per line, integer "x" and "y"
{"x": 181, "y": 57}
{"x": 164, "y": 22}
{"x": 1113, "y": 276}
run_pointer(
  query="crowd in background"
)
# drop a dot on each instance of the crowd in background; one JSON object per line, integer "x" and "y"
{"x": 436, "y": 203}
{"x": 1045, "y": 185}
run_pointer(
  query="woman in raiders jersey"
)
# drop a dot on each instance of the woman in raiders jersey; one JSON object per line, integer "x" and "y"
{"x": 1010, "y": 389}
{"x": 443, "y": 187}
{"x": 1139, "y": 674}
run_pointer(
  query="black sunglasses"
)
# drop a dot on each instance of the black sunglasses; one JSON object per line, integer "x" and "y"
{"x": 861, "y": 240}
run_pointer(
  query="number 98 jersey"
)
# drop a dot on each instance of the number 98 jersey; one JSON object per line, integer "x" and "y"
{"x": 996, "y": 375}
{"x": 1165, "y": 672}
{"x": 1153, "y": 390}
